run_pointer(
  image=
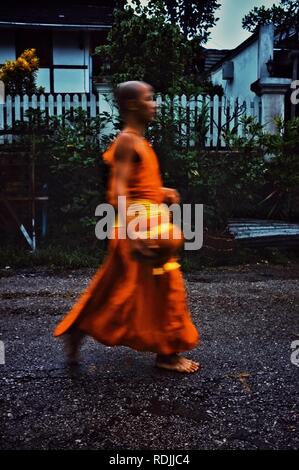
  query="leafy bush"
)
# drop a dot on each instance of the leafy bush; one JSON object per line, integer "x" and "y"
{"x": 257, "y": 175}
{"x": 19, "y": 76}
{"x": 283, "y": 170}
{"x": 172, "y": 134}
{"x": 67, "y": 152}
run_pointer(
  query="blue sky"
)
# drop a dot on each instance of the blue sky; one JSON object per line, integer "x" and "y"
{"x": 228, "y": 32}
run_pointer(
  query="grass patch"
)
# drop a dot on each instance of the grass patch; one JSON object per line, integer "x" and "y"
{"x": 53, "y": 255}
{"x": 71, "y": 254}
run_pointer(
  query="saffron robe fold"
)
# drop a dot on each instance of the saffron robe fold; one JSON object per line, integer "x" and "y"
{"x": 125, "y": 303}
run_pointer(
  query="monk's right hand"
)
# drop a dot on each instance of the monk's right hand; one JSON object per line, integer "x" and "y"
{"x": 140, "y": 249}
{"x": 171, "y": 196}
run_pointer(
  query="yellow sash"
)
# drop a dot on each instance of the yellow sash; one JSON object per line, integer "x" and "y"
{"x": 150, "y": 211}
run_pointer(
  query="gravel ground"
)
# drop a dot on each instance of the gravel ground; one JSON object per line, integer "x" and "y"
{"x": 245, "y": 396}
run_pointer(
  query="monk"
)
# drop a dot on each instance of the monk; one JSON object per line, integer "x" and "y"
{"x": 128, "y": 302}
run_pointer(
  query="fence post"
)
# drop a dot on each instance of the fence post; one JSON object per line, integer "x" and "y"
{"x": 34, "y": 101}
{"x": 84, "y": 101}
{"x": 75, "y": 102}
{"x": 59, "y": 105}
{"x": 271, "y": 90}
{"x": 222, "y": 121}
{"x": 209, "y": 104}
{"x": 51, "y": 105}
{"x": 191, "y": 119}
{"x": 215, "y": 122}
{"x": 184, "y": 113}
{"x": 42, "y": 103}
{"x": 9, "y": 116}
{"x": 67, "y": 103}
{"x": 106, "y": 105}
{"x": 93, "y": 106}
{"x": 25, "y": 107}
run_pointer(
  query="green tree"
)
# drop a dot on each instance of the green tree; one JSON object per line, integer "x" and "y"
{"x": 194, "y": 17}
{"x": 285, "y": 17}
{"x": 149, "y": 43}
{"x": 143, "y": 48}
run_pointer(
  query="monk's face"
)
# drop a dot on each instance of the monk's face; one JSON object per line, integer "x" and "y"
{"x": 145, "y": 106}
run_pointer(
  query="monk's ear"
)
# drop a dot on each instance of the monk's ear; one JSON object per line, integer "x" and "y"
{"x": 132, "y": 105}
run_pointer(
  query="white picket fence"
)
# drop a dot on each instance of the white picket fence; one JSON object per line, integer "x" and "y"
{"x": 222, "y": 113}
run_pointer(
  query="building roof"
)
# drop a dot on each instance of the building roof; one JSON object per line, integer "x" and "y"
{"x": 91, "y": 15}
{"x": 279, "y": 40}
{"x": 212, "y": 57}
{"x": 233, "y": 52}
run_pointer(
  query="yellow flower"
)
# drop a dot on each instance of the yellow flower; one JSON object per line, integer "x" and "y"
{"x": 28, "y": 53}
{"x": 22, "y": 63}
{"x": 15, "y": 71}
{"x": 30, "y": 57}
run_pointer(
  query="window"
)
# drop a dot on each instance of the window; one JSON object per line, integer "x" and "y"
{"x": 39, "y": 40}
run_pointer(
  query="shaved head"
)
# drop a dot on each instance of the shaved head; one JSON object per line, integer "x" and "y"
{"x": 129, "y": 91}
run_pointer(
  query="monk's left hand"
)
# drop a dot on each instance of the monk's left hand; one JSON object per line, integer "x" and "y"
{"x": 171, "y": 196}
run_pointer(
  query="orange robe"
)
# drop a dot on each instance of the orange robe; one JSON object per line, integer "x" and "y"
{"x": 125, "y": 303}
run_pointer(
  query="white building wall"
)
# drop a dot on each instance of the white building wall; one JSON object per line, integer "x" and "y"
{"x": 245, "y": 73}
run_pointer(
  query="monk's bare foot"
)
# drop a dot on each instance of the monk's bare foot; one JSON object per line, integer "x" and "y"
{"x": 72, "y": 343}
{"x": 177, "y": 363}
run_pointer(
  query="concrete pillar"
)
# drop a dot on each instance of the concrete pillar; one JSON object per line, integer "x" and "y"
{"x": 265, "y": 49}
{"x": 270, "y": 89}
{"x": 272, "y": 92}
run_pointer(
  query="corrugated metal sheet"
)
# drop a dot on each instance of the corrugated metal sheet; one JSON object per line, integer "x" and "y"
{"x": 264, "y": 232}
